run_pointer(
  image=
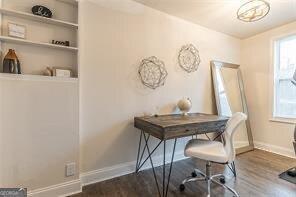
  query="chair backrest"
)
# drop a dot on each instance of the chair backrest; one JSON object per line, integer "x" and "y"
{"x": 231, "y": 128}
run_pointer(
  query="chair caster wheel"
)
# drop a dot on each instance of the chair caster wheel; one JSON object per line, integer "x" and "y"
{"x": 193, "y": 174}
{"x": 222, "y": 180}
{"x": 182, "y": 187}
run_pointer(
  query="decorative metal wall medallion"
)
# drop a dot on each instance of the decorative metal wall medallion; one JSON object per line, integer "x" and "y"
{"x": 152, "y": 72}
{"x": 189, "y": 58}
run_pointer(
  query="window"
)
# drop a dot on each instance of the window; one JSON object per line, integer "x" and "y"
{"x": 284, "y": 67}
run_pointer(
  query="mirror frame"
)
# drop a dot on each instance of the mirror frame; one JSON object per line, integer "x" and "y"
{"x": 214, "y": 65}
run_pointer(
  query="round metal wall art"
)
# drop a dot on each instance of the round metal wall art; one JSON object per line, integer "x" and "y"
{"x": 189, "y": 58}
{"x": 152, "y": 72}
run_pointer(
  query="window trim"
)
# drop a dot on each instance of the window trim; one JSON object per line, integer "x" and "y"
{"x": 274, "y": 65}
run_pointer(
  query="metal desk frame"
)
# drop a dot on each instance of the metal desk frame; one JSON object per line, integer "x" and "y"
{"x": 145, "y": 136}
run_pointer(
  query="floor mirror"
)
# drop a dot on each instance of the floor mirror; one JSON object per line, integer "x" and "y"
{"x": 230, "y": 98}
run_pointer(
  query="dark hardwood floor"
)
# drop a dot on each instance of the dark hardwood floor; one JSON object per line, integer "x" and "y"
{"x": 257, "y": 176}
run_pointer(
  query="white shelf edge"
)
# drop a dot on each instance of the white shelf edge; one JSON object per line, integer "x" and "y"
{"x": 37, "y": 18}
{"x": 25, "y": 77}
{"x": 283, "y": 120}
{"x": 72, "y": 2}
{"x": 41, "y": 44}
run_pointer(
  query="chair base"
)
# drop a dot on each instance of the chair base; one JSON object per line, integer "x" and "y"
{"x": 208, "y": 178}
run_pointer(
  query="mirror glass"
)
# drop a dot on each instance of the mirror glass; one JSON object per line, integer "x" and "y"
{"x": 230, "y": 99}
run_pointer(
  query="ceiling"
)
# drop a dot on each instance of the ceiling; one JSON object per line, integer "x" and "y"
{"x": 220, "y": 15}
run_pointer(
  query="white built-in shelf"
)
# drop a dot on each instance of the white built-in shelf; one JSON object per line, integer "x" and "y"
{"x": 25, "y": 77}
{"x": 37, "y": 18}
{"x": 72, "y": 2}
{"x": 35, "y": 43}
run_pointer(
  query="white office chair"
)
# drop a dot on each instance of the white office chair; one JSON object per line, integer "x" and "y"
{"x": 214, "y": 151}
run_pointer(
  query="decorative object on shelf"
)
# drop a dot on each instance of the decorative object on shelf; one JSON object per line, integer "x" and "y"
{"x": 189, "y": 58}
{"x": 48, "y": 71}
{"x": 253, "y": 10}
{"x": 41, "y": 11}
{"x": 61, "y": 72}
{"x": 64, "y": 43}
{"x": 11, "y": 63}
{"x": 152, "y": 72}
{"x": 184, "y": 105}
{"x": 16, "y": 30}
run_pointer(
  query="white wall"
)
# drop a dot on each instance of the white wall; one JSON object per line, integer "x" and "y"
{"x": 115, "y": 37}
{"x": 256, "y": 58}
{"x": 38, "y": 131}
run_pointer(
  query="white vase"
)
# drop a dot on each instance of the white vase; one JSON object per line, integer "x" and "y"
{"x": 184, "y": 105}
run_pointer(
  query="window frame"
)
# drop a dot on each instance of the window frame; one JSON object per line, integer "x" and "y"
{"x": 275, "y": 65}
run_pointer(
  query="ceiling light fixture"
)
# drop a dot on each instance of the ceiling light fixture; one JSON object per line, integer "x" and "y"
{"x": 253, "y": 10}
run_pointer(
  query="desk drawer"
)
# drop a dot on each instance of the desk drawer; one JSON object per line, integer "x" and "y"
{"x": 200, "y": 128}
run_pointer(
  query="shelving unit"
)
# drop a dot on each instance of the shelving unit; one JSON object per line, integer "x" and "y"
{"x": 34, "y": 43}
{"x": 37, "y": 18}
{"x": 59, "y": 28}
{"x": 28, "y": 77}
{"x": 34, "y": 106}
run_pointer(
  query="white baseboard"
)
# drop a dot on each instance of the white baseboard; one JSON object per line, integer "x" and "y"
{"x": 61, "y": 190}
{"x": 129, "y": 167}
{"x": 275, "y": 149}
{"x": 75, "y": 186}
{"x": 123, "y": 169}
{"x": 239, "y": 144}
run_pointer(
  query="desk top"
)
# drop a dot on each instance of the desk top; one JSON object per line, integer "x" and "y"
{"x": 178, "y": 125}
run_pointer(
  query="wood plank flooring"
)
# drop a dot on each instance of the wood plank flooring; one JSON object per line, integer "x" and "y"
{"x": 257, "y": 176}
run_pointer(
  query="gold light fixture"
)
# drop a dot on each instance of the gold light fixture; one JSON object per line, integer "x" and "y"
{"x": 253, "y": 10}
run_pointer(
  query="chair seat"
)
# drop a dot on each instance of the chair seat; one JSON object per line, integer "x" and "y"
{"x": 206, "y": 150}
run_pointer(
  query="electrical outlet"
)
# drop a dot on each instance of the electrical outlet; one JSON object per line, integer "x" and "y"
{"x": 70, "y": 169}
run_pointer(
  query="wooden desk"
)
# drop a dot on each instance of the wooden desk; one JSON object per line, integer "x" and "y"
{"x": 166, "y": 127}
